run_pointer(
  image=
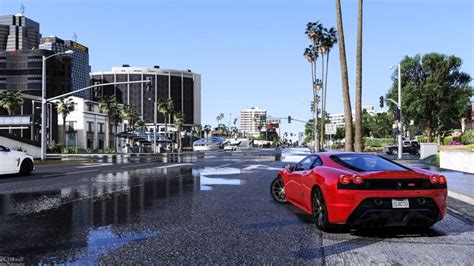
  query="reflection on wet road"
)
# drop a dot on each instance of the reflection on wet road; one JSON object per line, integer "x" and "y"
{"x": 76, "y": 217}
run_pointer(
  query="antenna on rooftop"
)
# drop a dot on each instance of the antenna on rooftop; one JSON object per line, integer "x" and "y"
{"x": 22, "y": 9}
{"x": 74, "y": 37}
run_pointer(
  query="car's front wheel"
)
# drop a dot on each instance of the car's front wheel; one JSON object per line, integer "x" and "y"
{"x": 26, "y": 167}
{"x": 320, "y": 211}
{"x": 277, "y": 190}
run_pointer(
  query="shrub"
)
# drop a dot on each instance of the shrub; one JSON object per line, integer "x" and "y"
{"x": 109, "y": 150}
{"x": 378, "y": 142}
{"x": 422, "y": 139}
{"x": 447, "y": 140}
{"x": 372, "y": 149}
{"x": 467, "y": 137}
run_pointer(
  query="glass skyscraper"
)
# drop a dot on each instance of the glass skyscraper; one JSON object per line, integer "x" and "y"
{"x": 80, "y": 67}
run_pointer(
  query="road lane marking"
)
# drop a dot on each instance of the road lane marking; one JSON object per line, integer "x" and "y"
{"x": 175, "y": 165}
{"x": 135, "y": 165}
{"x": 76, "y": 172}
{"x": 224, "y": 165}
{"x": 89, "y": 165}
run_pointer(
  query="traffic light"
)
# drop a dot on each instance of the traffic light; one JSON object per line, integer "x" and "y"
{"x": 97, "y": 90}
{"x": 381, "y": 101}
{"x": 312, "y": 107}
{"x": 397, "y": 114}
{"x": 289, "y": 119}
{"x": 148, "y": 86}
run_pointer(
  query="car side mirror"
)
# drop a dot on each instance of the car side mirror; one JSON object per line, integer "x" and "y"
{"x": 288, "y": 166}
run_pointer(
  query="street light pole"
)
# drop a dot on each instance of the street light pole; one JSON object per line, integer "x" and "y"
{"x": 400, "y": 124}
{"x": 43, "y": 102}
{"x": 43, "y": 110}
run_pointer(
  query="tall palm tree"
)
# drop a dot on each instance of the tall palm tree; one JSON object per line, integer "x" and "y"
{"x": 10, "y": 100}
{"x": 139, "y": 123}
{"x": 358, "y": 104}
{"x": 108, "y": 104}
{"x": 178, "y": 120}
{"x": 328, "y": 41}
{"x": 345, "y": 80}
{"x": 129, "y": 114}
{"x": 64, "y": 106}
{"x": 166, "y": 108}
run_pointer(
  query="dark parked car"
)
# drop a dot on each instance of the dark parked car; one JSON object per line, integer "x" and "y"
{"x": 409, "y": 146}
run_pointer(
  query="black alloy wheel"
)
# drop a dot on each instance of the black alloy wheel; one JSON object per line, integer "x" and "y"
{"x": 277, "y": 190}
{"x": 320, "y": 212}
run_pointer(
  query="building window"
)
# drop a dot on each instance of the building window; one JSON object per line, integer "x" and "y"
{"x": 70, "y": 126}
{"x": 101, "y": 127}
{"x": 101, "y": 144}
{"x": 90, "y": 126}
{"x": 90, "y": 143}
{"x": 90, "y": 107}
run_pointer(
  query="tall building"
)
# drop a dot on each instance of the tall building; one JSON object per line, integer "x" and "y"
{"x": 80, "y": 67}
{"x": 184, "y": 87}
{"x": 248, "y": 122}
{"x": 18, "y": 33}
{"x": 338, "y": 118}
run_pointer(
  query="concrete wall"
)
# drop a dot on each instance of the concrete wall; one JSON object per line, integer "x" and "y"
{"x": 427, "y": 149}
{"x": 457, "y": 159}
{"x": 16, "y": 145}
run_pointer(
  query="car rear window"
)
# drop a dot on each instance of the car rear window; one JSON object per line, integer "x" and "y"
{"x": 366, "y": 163}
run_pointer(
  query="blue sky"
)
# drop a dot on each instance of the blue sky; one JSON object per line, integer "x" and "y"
{"x": 249, "y": 52}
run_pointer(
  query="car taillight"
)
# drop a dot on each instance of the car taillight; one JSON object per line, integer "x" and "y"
{"x": 433, "y": 179}
{"x": 357, "y": 179}
{"x": 442, "y": 179}
{"x": 343, "y": 179}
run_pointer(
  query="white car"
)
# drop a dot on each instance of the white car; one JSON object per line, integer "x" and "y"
{"x": 15, "y": 162}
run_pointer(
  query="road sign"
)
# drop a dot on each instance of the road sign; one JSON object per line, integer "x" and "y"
{"x": 330, "y": 129}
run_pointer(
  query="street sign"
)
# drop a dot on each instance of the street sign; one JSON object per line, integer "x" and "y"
{"x": 18, "y": 120}
{"x": 330, "y": 129}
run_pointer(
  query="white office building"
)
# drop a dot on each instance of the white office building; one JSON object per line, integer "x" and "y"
{"x": 338, "y": 118}
{"x": 86, "y": 126}
{"x": 249, "y": 120}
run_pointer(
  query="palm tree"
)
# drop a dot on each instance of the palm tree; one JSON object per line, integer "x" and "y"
{"x": 64, "y": 106}
{"x": 178, "y": 120}
{"x": 345, "y": 80}
{"x": 358, "y": 104}
{"x": 207, "y": 129}
{"x": 327, "y": 42}
{"x": 166, "y": 108}
{"x": 129, "y": 114}
{"x": 108, "y": 104}
{"x": 139, "y": 123}
{"x": 11, "y": 100}
{"x": 198, "y": 128}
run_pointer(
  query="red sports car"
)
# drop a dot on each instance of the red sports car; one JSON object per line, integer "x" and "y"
{"x": 360, "y": 189}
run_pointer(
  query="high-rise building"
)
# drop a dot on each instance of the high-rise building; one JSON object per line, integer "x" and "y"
{"x": 249, "y": 120}
{"x": 183, "y": 86}
{"x": 18, "y": 33}
{"x": 80, "y": 67}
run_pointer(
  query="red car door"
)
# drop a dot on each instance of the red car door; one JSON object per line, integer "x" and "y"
{"x": 307, "y": 180}
{"x": 293, "y": 188}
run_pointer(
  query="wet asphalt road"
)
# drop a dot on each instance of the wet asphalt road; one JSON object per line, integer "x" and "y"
{"x": 212, "y": 210}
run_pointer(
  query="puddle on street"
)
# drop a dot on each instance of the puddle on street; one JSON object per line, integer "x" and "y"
{"x": 207, "y": 182}
{"x": 37, "y": 226}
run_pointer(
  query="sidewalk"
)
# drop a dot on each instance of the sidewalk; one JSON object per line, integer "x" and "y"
{"x": 460, "y": 184}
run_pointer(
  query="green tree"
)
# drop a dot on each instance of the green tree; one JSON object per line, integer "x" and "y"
{"x": 178, "y": 121}
{"x": 435, "y": 92}
{"x": 10, "y": 100}
{"x": 108, "y": 104}
{"x": 166, "y": 108}
{"x": 358, "y": 145}
{"x": 130, "y": 114}
{"x": 64, "y": 106}
{"x": 344, "y": 79}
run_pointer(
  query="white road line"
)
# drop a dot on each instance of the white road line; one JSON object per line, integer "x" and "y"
{"x": 137, "y": 164}
{"x": 76, "y": 172}
{"x": 224, "y": 165}
{"x": 175, "y": 165}
{"x": 93, "y": 165}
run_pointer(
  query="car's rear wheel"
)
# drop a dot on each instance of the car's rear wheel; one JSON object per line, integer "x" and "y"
{"x": 26, "y": 167}
{"x": 277, "y": 190}
{"x": 320, "y": 211}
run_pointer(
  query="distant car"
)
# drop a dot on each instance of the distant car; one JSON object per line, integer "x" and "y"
{"x": 230, "y": 148}
{"x": 409, "y": 146}
{"x": 363, "y": 190}
{"x": 15, "y": 162}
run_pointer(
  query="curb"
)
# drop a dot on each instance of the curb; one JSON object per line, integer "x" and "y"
{"x": 461, "y": 197}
